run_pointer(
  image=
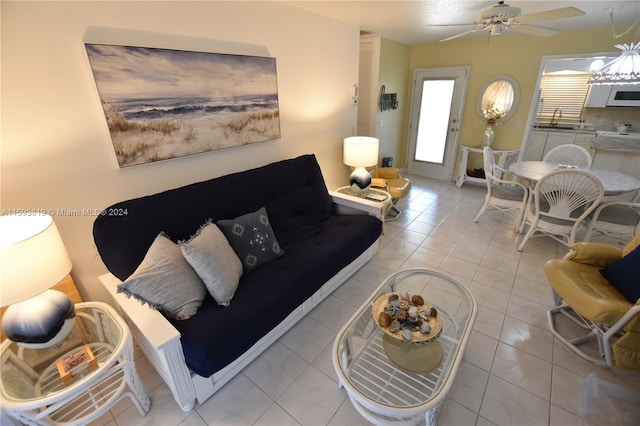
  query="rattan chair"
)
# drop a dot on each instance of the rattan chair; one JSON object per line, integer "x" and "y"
{"x": 616, "y": 219}
{"x": 582, "y": 294}
{"x": 505, "y": 195}
{"x": 561, "y": 202}
{"x": 569, "y": 154}
{"x": 389, "y": 179}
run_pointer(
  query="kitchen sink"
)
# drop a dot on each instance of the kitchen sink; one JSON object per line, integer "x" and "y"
{"x": 617, "y": 141}
{"x": 557, "y": 126}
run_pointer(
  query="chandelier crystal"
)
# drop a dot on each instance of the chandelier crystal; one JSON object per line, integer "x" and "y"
{"x": 625, "y": 69}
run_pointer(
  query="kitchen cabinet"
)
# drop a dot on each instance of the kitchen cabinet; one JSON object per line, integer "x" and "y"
{"x": 541, "y": 142}
{"x": 627, "y": 163}
{"x": 587, "y": 141}
{"x": 535, "y": 146}
{"x": 598, "y": 95}
{"x": 555, "y": 139}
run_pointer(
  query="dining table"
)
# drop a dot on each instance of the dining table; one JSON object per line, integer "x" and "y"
{"x": 614, "y": 183}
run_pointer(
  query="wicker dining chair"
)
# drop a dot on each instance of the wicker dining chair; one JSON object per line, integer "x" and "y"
{"x": 505, "y": 195}
{"x": 561, "y": 202}
{"x": 616, "y": 219}
{"x": 569, "y": 154}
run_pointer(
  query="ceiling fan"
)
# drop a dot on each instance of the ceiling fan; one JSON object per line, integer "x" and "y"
{"x": 502, "y": 17}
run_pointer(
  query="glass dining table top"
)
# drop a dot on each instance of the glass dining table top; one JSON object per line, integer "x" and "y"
{"x": 614, "y": 183}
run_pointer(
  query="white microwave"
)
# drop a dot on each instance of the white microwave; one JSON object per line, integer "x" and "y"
{"x": 624, "y": 95}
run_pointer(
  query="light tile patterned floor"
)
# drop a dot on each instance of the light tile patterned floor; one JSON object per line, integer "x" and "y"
{"x": 514, "y": 371}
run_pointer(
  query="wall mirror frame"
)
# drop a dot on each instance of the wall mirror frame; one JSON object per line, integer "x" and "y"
{"x": 503, "y": 91}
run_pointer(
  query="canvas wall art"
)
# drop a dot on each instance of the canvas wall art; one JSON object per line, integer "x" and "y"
{"x": 162, "y": 103}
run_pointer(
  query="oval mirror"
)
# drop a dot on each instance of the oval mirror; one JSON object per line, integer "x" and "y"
{"x": 498, "y": 97}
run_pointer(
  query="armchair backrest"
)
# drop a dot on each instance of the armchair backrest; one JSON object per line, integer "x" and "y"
{"x": 567, "y": 194}
{"x": 571, "y": 154}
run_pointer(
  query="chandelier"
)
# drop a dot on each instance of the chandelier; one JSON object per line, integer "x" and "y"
{"x": 625, "y": 69}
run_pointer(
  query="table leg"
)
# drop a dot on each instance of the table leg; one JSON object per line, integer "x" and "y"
{"x": 462, "y": 172}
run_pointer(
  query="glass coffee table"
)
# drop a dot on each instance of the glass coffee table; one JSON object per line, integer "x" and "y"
{"x": 390, "y": 381}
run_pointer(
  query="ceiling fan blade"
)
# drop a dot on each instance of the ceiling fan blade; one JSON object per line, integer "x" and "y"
{"x": 565, "y": 12}
{"x": 463, "y": 34}
{"x": 534, "y": 30}
{"x": 454, "y": 25}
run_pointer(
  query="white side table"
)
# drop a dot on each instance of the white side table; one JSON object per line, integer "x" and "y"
{"x": 504, "y": 155}
{"x": 33, "y": 392}
{"x": 374, "y": 197}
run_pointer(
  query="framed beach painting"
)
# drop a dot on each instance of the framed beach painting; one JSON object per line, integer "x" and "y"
{"x": 162, "y": 103}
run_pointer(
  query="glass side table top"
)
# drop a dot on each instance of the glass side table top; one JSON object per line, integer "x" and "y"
{"x": 382, "y": 389}
{"x": 32, "y": 374}
{"x": 372, "y": 194}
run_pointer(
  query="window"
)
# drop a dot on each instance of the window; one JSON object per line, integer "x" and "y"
{"x": 562, "y": 92}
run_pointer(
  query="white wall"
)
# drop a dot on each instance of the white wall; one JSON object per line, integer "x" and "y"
{"x": 56, "y": 153}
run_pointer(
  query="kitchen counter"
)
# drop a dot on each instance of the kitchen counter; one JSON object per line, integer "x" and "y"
{"x": 565, "y": 129}
{"x": 618, "y": 141}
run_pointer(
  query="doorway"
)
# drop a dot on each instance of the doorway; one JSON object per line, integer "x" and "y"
{"x": 436, "y": 113}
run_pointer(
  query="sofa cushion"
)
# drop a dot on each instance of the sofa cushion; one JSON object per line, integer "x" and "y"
{"x": 215, "y": 262}
{"x": 252, "y": 238}
{"x": 623, "y": 275}
{"x": 586, "y": 290}
{"x": 165, "y": 281}
{"x": 268, "y": 295}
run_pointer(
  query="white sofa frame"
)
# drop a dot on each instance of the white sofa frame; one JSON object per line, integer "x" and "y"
{"x": 160, "y": 341}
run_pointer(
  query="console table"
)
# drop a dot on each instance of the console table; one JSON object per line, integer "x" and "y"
{"x": 504, "y": 155}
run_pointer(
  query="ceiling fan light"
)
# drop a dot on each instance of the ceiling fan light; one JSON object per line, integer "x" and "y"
{"x": 496, "y": 29}
{"x": 625, "y": 69}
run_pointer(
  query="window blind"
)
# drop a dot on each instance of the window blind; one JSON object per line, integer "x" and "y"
{"x": 563, "y": 92}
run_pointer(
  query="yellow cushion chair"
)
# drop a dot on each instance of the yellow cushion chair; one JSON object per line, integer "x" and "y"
{"x": 584, "y": 296}
{"x": 390, "y": 180}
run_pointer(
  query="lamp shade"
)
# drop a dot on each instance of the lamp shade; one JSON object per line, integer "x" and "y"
{"x": 33, "y": 257}
{"x": 360, "y": 151}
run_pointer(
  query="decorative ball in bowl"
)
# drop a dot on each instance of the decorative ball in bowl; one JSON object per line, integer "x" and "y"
{"x": 408, "y": 318}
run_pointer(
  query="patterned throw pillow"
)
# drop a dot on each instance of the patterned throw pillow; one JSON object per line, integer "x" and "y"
{"x": 215, "y": 262}
{"x": 252, "y": 238}
{"x": 165, "y": 281}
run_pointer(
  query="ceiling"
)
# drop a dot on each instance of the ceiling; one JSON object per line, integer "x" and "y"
{"x": 409, "y": 22}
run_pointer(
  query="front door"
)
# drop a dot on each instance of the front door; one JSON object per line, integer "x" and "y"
{"x": 436, "y": 111}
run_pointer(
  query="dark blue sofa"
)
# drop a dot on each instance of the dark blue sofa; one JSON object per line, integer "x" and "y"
{"x": 322, "y": 249}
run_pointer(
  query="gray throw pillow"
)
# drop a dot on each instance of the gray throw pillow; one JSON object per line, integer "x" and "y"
{"x": 165, "y": 281}
{"x": 215, "y": 262}
{"x": 252, "y": 238}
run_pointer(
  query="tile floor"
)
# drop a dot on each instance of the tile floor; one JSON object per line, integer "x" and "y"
{"x": 514, "y": 371}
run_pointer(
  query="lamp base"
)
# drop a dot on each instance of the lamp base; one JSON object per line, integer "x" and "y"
{"x": 360, "y": 180}
{"x": 41, "y": 321}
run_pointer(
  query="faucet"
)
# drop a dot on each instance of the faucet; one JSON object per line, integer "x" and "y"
{"x": 553, "y": 121}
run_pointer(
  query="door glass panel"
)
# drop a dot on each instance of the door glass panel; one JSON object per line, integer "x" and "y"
{"x": 433, "y": 125}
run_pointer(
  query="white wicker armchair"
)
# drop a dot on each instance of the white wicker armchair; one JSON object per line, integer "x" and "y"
{"x": 570, "y": 154}
{"x": 615, "y": 219}
{"x": 505, "y": 195}
{"x": 562, "y": 200}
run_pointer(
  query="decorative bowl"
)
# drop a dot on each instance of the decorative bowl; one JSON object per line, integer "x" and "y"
{"x": 410, "y": 331}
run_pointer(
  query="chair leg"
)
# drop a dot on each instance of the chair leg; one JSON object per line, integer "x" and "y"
{"x": 532, "y": 229}
{"x": 481, "y": 211}
{"x": 594, "y": 332}
{"x": 391, "y": 217}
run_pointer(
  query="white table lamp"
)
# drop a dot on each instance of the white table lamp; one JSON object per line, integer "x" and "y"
{"x": 360, "y": 152}
{"x": 33, "y": 258}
